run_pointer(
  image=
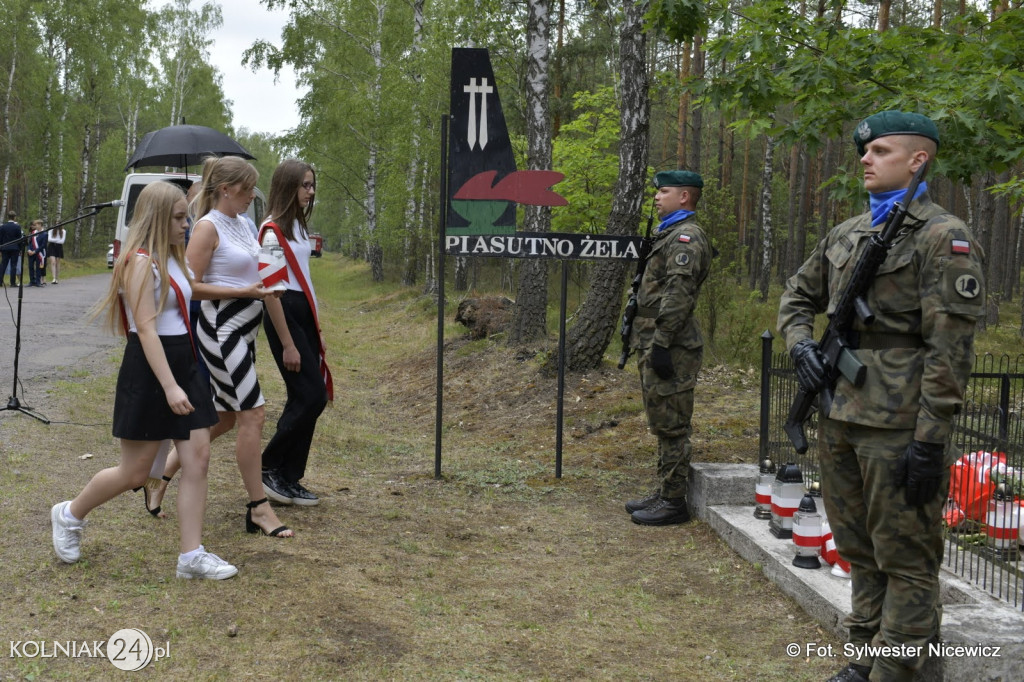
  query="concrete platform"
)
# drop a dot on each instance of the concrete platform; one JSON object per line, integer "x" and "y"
{"x": 722, "y": 496}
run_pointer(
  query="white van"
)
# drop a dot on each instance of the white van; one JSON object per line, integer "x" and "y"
{"x": 133, "y": 184}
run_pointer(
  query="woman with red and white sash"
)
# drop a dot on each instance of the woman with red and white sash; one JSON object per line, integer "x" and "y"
{"x": 160, "y": 394}
{"x": 293, "y": 334}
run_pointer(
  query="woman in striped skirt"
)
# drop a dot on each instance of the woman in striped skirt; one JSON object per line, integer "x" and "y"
{"x": 224, "y": 255}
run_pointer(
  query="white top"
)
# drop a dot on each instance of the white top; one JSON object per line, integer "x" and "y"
{"x": 54, "y": 239}
{"x": 169, "y": 321}
{"x": 302, "y": 248}
{"x": 235, "y": 261}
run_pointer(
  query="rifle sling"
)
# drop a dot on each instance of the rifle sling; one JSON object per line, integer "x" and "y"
{"x": 646, "y": 311}
{"x": 885, "y": 341}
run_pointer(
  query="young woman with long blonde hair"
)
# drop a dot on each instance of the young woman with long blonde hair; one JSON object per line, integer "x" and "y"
{"x": 160, "y": 394}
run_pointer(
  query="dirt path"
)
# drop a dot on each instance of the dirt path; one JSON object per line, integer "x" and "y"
{"x": 56, "y": 336}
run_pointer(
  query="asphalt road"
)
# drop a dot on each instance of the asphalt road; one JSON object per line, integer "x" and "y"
{"x": 57, "y": 338}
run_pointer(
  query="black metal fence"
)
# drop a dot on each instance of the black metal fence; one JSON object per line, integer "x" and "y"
{"x": 983, "y": 513}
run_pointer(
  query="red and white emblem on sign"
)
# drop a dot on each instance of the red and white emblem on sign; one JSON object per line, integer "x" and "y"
{"x": 961, "y": 246}
{"x": 685, "y": 238}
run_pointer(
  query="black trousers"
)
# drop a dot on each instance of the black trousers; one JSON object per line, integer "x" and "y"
{"x": 288, "y": 449}
{"x": 11, "y": 258}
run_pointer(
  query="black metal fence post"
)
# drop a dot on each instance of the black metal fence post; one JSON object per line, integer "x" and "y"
{"x": 766, "y": 402}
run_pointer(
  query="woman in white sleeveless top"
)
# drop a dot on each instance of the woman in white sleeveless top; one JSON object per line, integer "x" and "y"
{"x": 224, "y": 255}
{"x": 160, "y": 393}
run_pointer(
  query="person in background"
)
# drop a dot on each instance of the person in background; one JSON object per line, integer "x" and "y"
{"x": 55, "y": 251}
{"x": 294, "y": 337}
{"x": 10, "y": 232}
{"x": 224, "y": 254}
{"x": 668, "y": 340}
{"x": 159, "y": 392}
{"x": 884, "y": 446}
{"x": 36, "y": 254}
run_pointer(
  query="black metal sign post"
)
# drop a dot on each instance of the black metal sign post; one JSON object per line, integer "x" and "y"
{"x": 440, "y": 296}
{"x": 559, "y": 411}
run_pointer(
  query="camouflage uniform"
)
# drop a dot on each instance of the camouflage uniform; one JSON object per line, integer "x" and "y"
{"x": 927, "y": 297}
{"x": 679, "y": 262}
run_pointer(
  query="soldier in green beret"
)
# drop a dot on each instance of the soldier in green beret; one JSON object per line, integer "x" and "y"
{"x": 884, "y": 448}
{"x": 668, "y": 341}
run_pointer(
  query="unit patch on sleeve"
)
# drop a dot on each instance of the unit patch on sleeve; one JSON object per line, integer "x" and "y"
{"x": 961, "y": 246}
{"x": 685, "y": 238}
{"x": 967, "y": 286}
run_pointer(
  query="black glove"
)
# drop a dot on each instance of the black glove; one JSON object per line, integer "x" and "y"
{"x": 661, "y": 362}
{"x": 921, "y": 469}
{"x": 810, "y": 372}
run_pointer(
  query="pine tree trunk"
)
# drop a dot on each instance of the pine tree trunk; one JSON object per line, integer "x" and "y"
{"x": 698, "y": 116}
{"x": 798, "y": 248}
{"x": 683, "y": 111}
{"x": 597, "y": 319}
{"x": 529, "y": 319}
{"x": 766, "y": 217}
{"x": 824, "y": 205}
{"x": 1004, "y": 224}
{"x": 792, "y": 204}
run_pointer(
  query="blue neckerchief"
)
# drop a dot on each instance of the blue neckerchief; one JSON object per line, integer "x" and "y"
{"x": 883, "y": 202}
{"x": 674, "y": 217}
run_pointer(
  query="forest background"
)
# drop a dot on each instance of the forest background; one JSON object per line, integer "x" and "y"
{"x": 760, "y": 97}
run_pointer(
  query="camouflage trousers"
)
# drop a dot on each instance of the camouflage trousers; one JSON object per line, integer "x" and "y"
{"x": 669, "y": 407}
{"x": 895, "y": 550}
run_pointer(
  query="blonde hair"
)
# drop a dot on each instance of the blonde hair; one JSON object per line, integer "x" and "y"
{"x": 150, "y": 230}
{"x": 223, "y": 172}
{"x": 917, "y": 143}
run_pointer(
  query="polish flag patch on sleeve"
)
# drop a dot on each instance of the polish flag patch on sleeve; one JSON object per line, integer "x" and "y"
{"x": 961, "y": 246}
{"x": 685, "y": 238}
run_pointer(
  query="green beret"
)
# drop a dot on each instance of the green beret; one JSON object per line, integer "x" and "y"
{"x": 894, "y": 123}
{"x": 678, "y": 178}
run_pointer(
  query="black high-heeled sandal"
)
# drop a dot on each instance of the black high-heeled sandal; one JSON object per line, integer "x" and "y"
{"x": 145, "y": 498}
{"x": 253, "y": 527}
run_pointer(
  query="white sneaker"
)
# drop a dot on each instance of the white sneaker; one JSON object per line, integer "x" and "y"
{"x": 206, "y": 565}
{"x": 67, "y": 535}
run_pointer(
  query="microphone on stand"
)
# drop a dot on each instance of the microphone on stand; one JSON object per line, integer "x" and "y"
{"x": 115, "y": 202}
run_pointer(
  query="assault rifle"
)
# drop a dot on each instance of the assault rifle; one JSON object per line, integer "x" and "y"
{"x": 629, "y": 314}
{"x": 835, "y": 343}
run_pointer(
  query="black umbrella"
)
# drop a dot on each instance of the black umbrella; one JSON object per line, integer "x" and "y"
{"x": 183, "y": 146}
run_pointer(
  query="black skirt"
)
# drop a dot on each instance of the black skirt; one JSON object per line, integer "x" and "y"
{"x": 141, "y": 411}
{"x": 55, "y": 250}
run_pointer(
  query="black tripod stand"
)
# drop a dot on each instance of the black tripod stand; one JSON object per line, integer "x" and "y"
{"x": 13, "y": 403}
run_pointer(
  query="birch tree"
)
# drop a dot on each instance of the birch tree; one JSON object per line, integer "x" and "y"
{"x": 529, "y": 320}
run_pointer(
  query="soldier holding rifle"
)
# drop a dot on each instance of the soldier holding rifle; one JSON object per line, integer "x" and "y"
{"x": 883, "y": 440}
{"x": 668, "y": 341}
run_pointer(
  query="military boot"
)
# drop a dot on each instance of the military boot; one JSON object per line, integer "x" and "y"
{"x": 663, "y": 513}
{"x": 637, "y": 505}
{"x": 851, "y": 673}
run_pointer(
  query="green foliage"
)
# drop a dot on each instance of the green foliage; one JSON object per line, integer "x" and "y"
{"x": 680, "y": 20}
{"x": 820, "y": 76}
{"x": 586, "y": 151}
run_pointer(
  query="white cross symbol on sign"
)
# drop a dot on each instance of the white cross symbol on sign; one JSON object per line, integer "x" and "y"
{"x": 472, "y": 137}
